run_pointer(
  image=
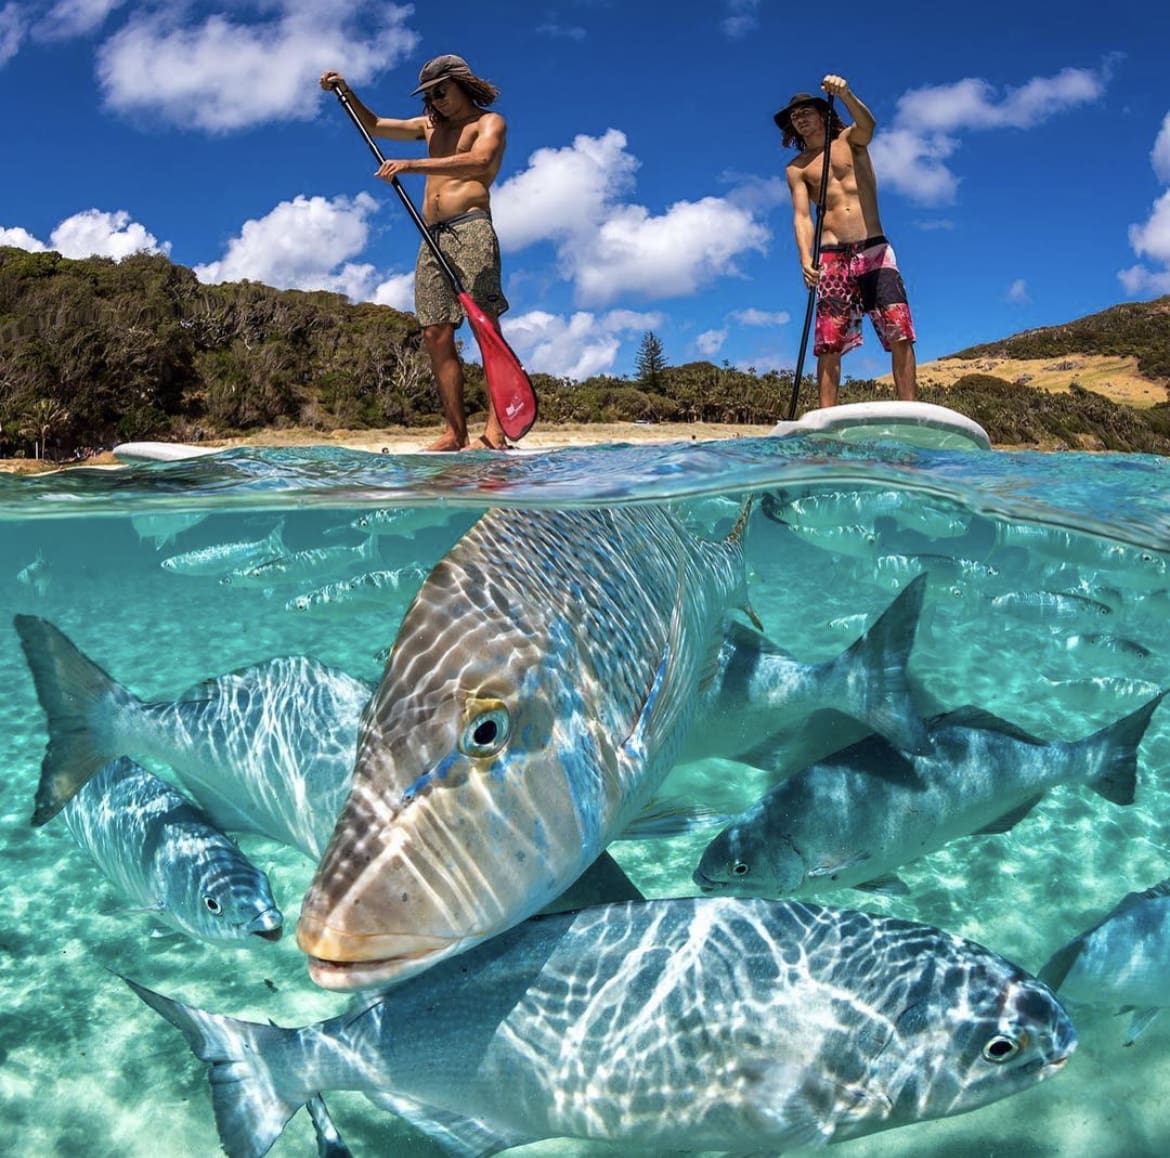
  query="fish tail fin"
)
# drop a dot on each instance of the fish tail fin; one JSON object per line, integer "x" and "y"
{"x": 1115, "y": 749}
{"x": 75, "y": 694}
{"x": 250, "y": 1109}
{"x": 873, "y": 682}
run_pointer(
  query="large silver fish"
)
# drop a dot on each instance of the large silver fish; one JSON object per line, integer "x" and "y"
{"x": 540, "y": 688}
{"x": 164, "y": 854}
{"x": 1123, "y": 960}
{"x": 693, "y": 1024}
{"x": 852, "y": 819}
{"x": 267, "y": 749}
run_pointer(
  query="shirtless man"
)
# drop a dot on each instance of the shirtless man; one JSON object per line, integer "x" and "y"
{"x": 465, "y": 147}
{"x": 858, "y": 273}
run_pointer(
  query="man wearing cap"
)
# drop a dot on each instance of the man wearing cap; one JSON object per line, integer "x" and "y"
{"x": 465, "y": 147}
{"x": 858, "y": 273}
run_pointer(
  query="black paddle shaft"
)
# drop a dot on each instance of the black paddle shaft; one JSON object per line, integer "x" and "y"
{"x": 816, "y": 258}
{"x": 452, "y": 277}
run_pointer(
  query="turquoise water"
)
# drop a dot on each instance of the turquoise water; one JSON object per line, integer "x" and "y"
{"x": 86, "y": 1068}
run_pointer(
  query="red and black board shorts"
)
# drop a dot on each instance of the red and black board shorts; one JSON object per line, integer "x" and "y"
{"x": 860, "y": 277}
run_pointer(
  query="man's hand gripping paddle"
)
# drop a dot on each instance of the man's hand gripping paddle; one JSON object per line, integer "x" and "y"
{"x": 512, "y": 394}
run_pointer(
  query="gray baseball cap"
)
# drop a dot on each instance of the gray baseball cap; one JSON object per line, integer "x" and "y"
{"x": 442, "y": 68}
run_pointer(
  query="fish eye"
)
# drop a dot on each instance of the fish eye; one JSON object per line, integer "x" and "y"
{"x": 486, "y": 732}
{"x": 212, "y": 906}
{"x": 1000, "y": 1048}
{"x": 740, "y": 869}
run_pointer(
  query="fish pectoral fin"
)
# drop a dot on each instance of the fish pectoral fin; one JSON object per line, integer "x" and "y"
{"x": 1141, "y": 1018}
{"x": 665, "y": 818}
{"x": 604, "y": 882}
{"x": 458, "y": 1135}
{"x": 1009, "y": 819}
{"x": 886, "y": 885}
{"x": 829, "y": 870}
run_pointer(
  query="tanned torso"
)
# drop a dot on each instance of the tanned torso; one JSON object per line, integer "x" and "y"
{"x": 851, "y": 211}
{"x": 447, "y": 196}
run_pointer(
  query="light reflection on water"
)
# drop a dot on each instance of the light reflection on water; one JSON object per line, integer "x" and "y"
{"x": 86, "y": 1068}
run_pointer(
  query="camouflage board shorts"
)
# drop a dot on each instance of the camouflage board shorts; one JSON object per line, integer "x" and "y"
{"x": 860, "y": 277}
{"x": 468, "y": 242}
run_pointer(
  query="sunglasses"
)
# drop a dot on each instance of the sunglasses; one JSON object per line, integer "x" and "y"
{"x": 437, "y": 93}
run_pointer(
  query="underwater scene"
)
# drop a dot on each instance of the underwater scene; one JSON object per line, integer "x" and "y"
{"x": 811, "y": 758}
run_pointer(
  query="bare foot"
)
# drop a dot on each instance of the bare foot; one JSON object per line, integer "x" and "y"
{"x": 446, "y": 442}
{"x": 482, "y": 443}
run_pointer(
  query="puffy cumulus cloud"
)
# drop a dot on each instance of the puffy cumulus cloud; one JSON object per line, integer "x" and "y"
{"x": 577, "y": 347}
{"x": 396, "y": 291}
{"x": 305, "y": 243}
{"x": 753, "y": 317}
{"x": 911, "y": 154}
{"x": 563, "y": 191}
{"x": 1018, "y": 291}
{"x": 21, "y": 239}
{"x": 98, "y": 234}
{"x": 223, "y": 74}
{"x": 1151, "y": 239}
{"x": 710, "y": 342}
{"x": 68, "y": 18}
{"x": 741, "y": 18}
{"x": 572, "y": 197}
{"x": 13, "y": 25}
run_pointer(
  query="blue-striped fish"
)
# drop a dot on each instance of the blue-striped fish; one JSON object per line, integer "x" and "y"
{"x": 165, "y": 855}
{"x": 692, "y": 1024}
{"x": 267, "y": 749}
{"x": 540, "y": 688}
{"x": 1123, "y": 960}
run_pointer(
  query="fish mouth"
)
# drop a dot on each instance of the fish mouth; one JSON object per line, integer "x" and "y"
{"x": 347, "y": 961}
{"x": 705, "y": 882}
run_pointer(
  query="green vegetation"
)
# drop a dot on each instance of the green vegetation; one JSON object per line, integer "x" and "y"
{"x": 94, "y": 352}
{"x": 1136, "y": 329}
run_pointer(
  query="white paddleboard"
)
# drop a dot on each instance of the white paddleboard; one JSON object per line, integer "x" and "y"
{"x": 161, "y": 451}
{"x": 915, "y": 423}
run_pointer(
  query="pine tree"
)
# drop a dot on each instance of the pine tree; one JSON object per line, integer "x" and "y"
{"x": 650, "y": 362}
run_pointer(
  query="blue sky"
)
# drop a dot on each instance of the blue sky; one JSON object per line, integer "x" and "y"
{"x": 1023, "y": 156}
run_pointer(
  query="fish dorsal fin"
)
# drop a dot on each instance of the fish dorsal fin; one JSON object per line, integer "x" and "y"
{"x": 1010, "y": 818}
{"x": 969, "y": 716}
{"x": 457, "y": 1135}
{"x": 1161, "y": 889}
{"x": 735, "y": 535}
{"x": 876, "y": 756}
{"x": 749, "y": 639}
{"x": 1141, "y": 1018}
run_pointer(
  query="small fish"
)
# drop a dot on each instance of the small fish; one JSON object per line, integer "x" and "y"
{"x": 1102, "y": 643}
{"x": 268, "y": 749}
{"x": 403, "y": 522}
{"x": 164, "y": 529}
{"x": 1097, "y": 693}
{"x": 541, "y": 686}
{"x": 368, "y": 592}
{"x": 828, "y": 509}
{"x": 221, "y": 558}
{"x": 1124, "y": 959}
{"x": 851, "y": 539}
{"x": 36, "y": 576}
{"x": 311, "y": 565}
{"x": 710, "y": 1024}
{"x": 165, "y": 855}
{"x": 852, "y": 819}
{"x": 1048, "y": 606}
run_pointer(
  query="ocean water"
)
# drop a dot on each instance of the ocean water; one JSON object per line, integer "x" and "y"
{"x": 86, "y": 1068}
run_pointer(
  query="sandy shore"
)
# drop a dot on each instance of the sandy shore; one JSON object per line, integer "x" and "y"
{"x": 402, "y": 440}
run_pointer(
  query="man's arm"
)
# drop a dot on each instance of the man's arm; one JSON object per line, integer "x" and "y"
{"x": 480, "y": 163}
{"x": 392, "y": 128}
{"x": 802, "y": 224}
{"x": 860, "y": 133}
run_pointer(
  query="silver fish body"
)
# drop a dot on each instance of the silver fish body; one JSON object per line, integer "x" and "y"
{"x": 313, "y": 564}
{"x": 369, "y": 592}
{"x": 164, "y": 854}
{"x": 852, "y": 819}
{"x": 220, "y": 558}
{"x": 1123, "y": 960}
{"x": 691, "y": 1024}
{"x": 268, "y": 749}
{"x": 540, "y": 688}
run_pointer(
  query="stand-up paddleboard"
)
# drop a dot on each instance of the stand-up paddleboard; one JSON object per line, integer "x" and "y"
{"x": 131, "y": 452}
{"x": 915, "y": 423}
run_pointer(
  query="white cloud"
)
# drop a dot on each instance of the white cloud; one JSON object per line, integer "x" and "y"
{"x": 710, "y": 342}
{"x": 578, "y": 347}
{"x": 95, "y": 233}
{"x": 221, "y": 75}
{"x": 561, "y": 31}
{"x": 911, "y": 154}
{"x": 69, "y": 18}
{"x": 21, "y": 239}
{"x": 12, "y": 29}
{"x": 570, "y": 196}
{"x": 305, "y": 243}
{"x": 741, "y": 18}
{"x": 396, "y": 291}
{"x": 1018, "y": 291}
{"x": 754, "y": 317}
{"x": 1152, "y": 238}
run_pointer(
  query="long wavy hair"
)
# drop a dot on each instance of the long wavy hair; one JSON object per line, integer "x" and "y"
{"x": 792, "y": 137}
{"x": 480, "y": 92}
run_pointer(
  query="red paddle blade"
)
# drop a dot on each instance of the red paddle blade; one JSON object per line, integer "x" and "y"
{"x": 512, "y": 394}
